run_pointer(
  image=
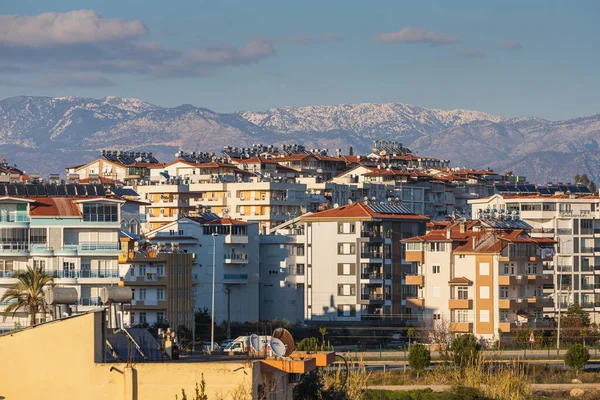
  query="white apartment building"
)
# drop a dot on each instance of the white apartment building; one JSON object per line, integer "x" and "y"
{"x": 353, "y": 261}
{"x": 236, "y": 254}
{"x": 73, "y": 237}
{"x": 574, "y": 222}
{"x": 478, "y": 277}
{"x": 282, "y": 272}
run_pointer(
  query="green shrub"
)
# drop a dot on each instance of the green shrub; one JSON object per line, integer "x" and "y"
{"x": 465, "y": 350}
{"x": 419, "y": 358}
{"x": 577, "y": 356}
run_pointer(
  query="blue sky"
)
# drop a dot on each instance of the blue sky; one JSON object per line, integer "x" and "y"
{"x": 510, "y": 58}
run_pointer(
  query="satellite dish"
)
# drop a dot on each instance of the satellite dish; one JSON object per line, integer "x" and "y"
{"x": 255, "y": 342}
{"x": 277, "y": 347}
{"x": 286, "y": 337}
{"x": 336, "y": 205}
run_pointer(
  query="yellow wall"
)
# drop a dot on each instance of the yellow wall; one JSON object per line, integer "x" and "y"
{"x": 56, "y": 361}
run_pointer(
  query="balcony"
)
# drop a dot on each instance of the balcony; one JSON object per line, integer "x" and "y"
{"x": 14, "y": 248}
{"x": 415, "y": 302}
{"x": 414, "y": 256}
{"x": 506, "y": 280}
{"x": 371, "y": 234}
{"x": 564, "y": 231}
{"x": 235, "y": 258}
{"x": 539, "y": 302}
{"x": 464, "y": 304}
{"x": 461, "y": 327}
{"x": 14, "y": 218}
{"x": 235, "y": 278}
{"x": 7, "y": 274}
{"x": 372, "y": 297}
{"x": 92, "y": 247}
{"x": 415, "y": 280}
{"x": 587, "y": 286}
{"x": 85, "y": 273}
{"x": 586, "y": 304}
{"x": 507, "y": 304}
{"x": 371, "y": 275}
{"x": 371, "y": 254}
{"x": 236, "y": 239}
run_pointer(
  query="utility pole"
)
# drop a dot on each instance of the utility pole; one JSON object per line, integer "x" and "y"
{"x": 559, "y": 277}
{"x": 228, "y": 291}
{"x": 212, "y": 322}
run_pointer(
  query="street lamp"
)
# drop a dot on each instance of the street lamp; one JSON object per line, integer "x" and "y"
{"x": 559, "y": 278}
{"x": 212, "y": 324}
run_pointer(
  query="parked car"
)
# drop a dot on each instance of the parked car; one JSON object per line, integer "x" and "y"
{"x": 226, "y": 343}
{"x": 397, "y": 335}
{"x": 206, "y": 347}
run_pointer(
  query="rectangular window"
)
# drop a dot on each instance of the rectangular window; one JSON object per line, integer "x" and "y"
{"x": 484, "y": 292}
{"x": 160, "y": 270}
{"x": 300, "y": 269}
{"x": 160, "y": 294}
{"x": 462, "y": 292}
{"x": 346, "y": 248}
{"x": 142, "y": 294}
{"x": 100, "y": 212}
{"x": 346, "y": 310}
{"x": 160, "y": 317}
{"x": 132, "y": 319}
{"x": 504, "y": 292}
{"x": 142, "y": 270}
{"x": 437, "y": 316}
{"x": 484, "y": 315}
{"x": 346, "y": 269}
{"x": 346, "y": 290}
{"x": 484, "y": 269}
{"x": 39, "y": 264}
{"x": 437, "y": 247}
{"x": 143, "y": 319}
{"x": 300, "y": 250}
{"x": 462, "y": 315}
{"x": 436, "y": 269}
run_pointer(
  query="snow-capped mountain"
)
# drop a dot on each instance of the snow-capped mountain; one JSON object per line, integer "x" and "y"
{"x": 56, "y": 132}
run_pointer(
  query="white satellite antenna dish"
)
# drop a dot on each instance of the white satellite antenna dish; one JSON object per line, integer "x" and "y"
{"x": 255, "y": 342}
{"x": 277, "y": 347}
{"x": 336, "y": 205}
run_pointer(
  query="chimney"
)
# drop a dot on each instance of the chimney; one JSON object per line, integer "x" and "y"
{"x": 463, "y": 226}
{"x": 449, "y": 233}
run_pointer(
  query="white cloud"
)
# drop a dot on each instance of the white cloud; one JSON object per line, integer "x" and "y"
{"x": 252, "y": 51}
{"x": 415, "y": 35}
{"x": 70, "y": 28}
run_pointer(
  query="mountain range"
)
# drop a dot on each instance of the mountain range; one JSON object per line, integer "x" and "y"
{"x": 45, "y": 134}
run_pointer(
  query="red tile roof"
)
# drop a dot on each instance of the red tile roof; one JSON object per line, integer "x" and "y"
{"x": 100, "y": 179}
{"x": 359, "y": 210}
{"x": 461, "y": 280}
{"x": 53, "y": 207}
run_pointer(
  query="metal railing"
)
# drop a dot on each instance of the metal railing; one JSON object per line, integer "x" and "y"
{"x": 14, "y": 218}
{"x": 371, "y": 275}
{"x": 237, "y": 257}
{"x": 7, "y": 274}
{"x": 229, "y": 277}
{"x": 14, "y": 246}
{"x": 371, "y": 254}
{"x": 371, "y": 296}
{"x": 85, "y": 273}
{"x": 370, "y": 234}
{"x": 564, "y": 231}
{"x": 90, "y": 246}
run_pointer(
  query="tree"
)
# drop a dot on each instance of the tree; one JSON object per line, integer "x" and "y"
{"x": 27, "y": 293}
{"x": 419, "y": 358}
{"x": 351, "y": 152}
{"x": 584, "y": 180}
{"x": 410, "y": 333}
{"x": 323, "y": 332}
{"x": 465, "y": 350}
{"x": 577, "y": 179}
{"x": 573, "y": 322}
{"x": 577, "y": 356}
{"x": 499, "y": 338}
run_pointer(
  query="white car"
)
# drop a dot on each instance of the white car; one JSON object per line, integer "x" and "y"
{"x": 226, "y": 343}
{"x": 206, "y": 347}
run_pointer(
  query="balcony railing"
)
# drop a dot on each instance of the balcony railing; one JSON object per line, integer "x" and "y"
{"x": 370, "y": 234}
{"x": 371, "y": 275}
{"x": 371, "y": 254}
{"x": 235, "y": 277}
{"x": 371, "y": 296}
{"x": 564, "y": 268}
{"x": 564, "y": 231}
{"x": 89, "y": 301}
{"x": 90, "y": 246}
{"x": 543, "y": 230}
{"x": 14, "y": 246}
{"x": 85, "y": 273}
{"x": 14, "y": 218}
{"x": 236, "y": 257}
{"x": 7, "y": 274}
{"x": 587, "y": 250}
{"x": 587, "y": 286}
{"x": 587, "y": 304}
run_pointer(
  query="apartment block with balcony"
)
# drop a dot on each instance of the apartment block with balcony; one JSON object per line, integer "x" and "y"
{"x": 479, "y": 276}
{"x": 354, "y": 261}
{"x": 235, "y": 251}
{"x": 572, "y": 220}
{"x": 161, "y": 282}
{"x": 69, "y": 230}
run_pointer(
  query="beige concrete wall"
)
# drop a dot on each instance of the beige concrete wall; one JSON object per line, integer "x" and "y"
{"x": 57, "y": 361}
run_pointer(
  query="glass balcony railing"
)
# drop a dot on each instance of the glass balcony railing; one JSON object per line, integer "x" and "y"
{"x": 91, "y": 246}
{"x": 14, "y": 246}
{"x": 7, "y": 274}
{"x": 104, "y": 273}
{"x": 89, "y": 301}
{"x": 14, "y": 218}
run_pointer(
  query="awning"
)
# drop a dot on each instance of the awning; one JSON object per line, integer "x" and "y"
{"x": 522, "y": 314}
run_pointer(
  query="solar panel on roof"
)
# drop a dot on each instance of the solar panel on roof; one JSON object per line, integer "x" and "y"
{"x": 389, "y": 209}
{"x": 501, "y": 188}
{"x": 70, "y": 189}
{"x": 80, "y": 190}
{"x": 11, "y": 190}
{"x": 506, "y": 223}
{"x": 31, "y": 190}
{"x": 52, "y": 191}
{"x": 21, "y": 190}
{"x": 522, "y": 188}
{"x": 41, "y": 190}
{"x": 91, "y": 190}
{"x": 2, "y": 190}
{"x": 100, "y": 191}
{"x": 585, "y": 189}
{"x": 531, "y": 188}
{"x": 544, "y": 191}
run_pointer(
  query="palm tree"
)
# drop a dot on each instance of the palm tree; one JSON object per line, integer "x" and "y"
{"x": 323, "y": 332}
{"x": 410, "y": 333}
{"x": 27, "y": 293}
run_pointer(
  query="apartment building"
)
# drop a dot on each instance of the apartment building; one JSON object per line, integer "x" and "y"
{"x": 69, "y": 230}
{"x": 353, "y": 261}
{"x": 115, "y": 166}
{"x": 183, "y": 188}
{"x": 233, "y": 245}
{"x": 283, "y": 272}
{"x": 573, "y": 221}
{"x": 161, "y": 281}
{"x": 478, "y": 277}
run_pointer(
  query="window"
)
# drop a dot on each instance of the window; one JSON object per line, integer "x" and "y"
{"x": 142, "y": 270}
{"x": 437, "y": 316}
{"x": 462, "y": 292}
{"x": 100, "y": 212}
{"x": 300, "y": 250}
{"x": 160, "y": 294}
{"x": 413, "y": 246}
{"x": 531, "y": 269}
{"x": 504, "y": 292}
{"x": 484, "y": 315}
{"x": 143, "y": 319}
{"x": 505, "y": 269}
{"x": 347, "y": 310}
{"x": 160, "y": 270}
{"x": 436, "y": 269}
{"x": 300, "y": 269}
{"x": 132, "y": 318}
{"x": 142, "y": 294}
{"x": 346, "y": 248}
{"x": 484, "y": 269}
{"x": 438, "y": 247}
{"x": 160, "y": 317}
{"x": 484, "y": 292}
{"x": 462, "y": 315}
{"x": 346, "y": 269}
{"x": 503, "y": 315}
{"x": 346, "y": 290}
{"x": 346, "y": 227}
{"x": 39, "y": 264}
{"x": 38, "y": 235}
